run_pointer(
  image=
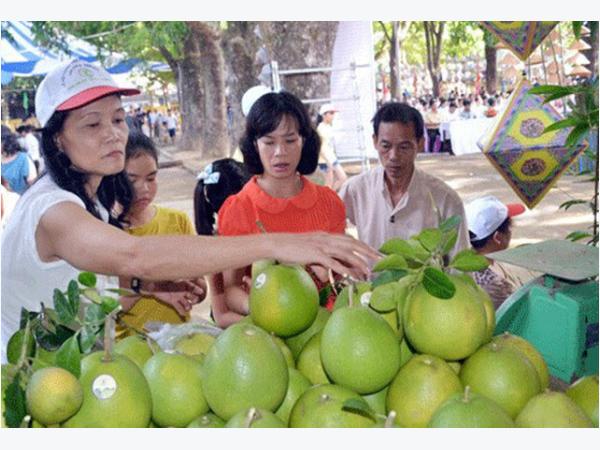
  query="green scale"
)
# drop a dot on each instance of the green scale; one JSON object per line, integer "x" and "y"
{"x": 558, "y": 311}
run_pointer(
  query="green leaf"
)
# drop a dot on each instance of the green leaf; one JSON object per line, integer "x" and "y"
{"x": 388, "y": 276}
{"x": 449, "y": 240}
{"x": 25, "y": 316}
{"x": 577, "y": 235}
{"x": 93, "y": 314}
{"x": 50, "y": 340}
{"x": 87, "y": 279}
{"x": 450, "y": 223}
{"x": 63, "y": 308}
{"x": 88, "y": 337}
{"x": 568, "y": 204}
{"x": 324, "y": 294}
{"x": 14, "y": 403}
{"x": 430, "y": 238}
{"x": 68, "y": 356}
{"x": 92, "y": 295}
{"x": 397, "y": 246}
{"x": 359, "y": 405}
{"x": 421, "y": 254}
{"x": 552, "y": 89}
{"x": 109, "y": 304}
{"x": 566, "y": 123}
{"x": 390, "y": 262}
{"x": 438, "y": 284}
{"x": 576, "y": 134}
{"x": 469, "y": 261}
{"x": 577, "y": 28}
{"x": 73, "y": 295}
{"x": 123, "y": 292}
{"x": 385, "y": 298}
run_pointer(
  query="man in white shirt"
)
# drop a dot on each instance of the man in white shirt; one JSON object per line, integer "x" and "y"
{"x": 31, "y": 145}
{"x": 396, "y": 199}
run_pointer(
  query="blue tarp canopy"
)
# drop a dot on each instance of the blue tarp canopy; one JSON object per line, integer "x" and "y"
{"x": 21, "y": 55}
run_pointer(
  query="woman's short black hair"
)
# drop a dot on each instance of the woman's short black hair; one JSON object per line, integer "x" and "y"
{"x": 138, "y": 143}
{"x": 210, "y": 196}
{"x": 265, "y": 116}
{"x": 480, "y": 243}
{"x": 398, "y": 112}
{"x": 10, "y": 144}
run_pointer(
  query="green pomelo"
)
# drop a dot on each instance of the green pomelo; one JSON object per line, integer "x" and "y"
{"x": 135, "y": 348}
{"x": 358, "y": 295}
{"x": 260, "y": 265}
{"x": 297, "y": 342}
{"x": 552, "y": 410}
{"x": 208, "y": 420}
{"x": 530, "y": 352}
{"x": 284, "y": 300}
{"x": 244, "y": 368}
{"x": 53, "y": 395}
{"x": 359, "y": 350}
{"x": 115, "y": 394}
{"x": 321, "y": 407}
{"x": 195, "y": 344}
{"x": 584, "y": 392}
{"x": 297, "y": 385}
{"x": 176, "y": 385}
{"x": 309, "y": 361}
{"x": 470, "y": 410}
{"x": 255, "y": 418}
{"x": 455, "y": 366}
{"x": 406, "y": 352}
{"x": 422, "y": 385}
{"x": 285, "y": 350}
{"x": 490, "y": 313}
{"x": 377, "y": 400}
{"x": 502, "y": 374}
{"x": 451, "y": 329}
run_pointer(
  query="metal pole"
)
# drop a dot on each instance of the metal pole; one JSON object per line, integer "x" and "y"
{"x": 275, "y": 76}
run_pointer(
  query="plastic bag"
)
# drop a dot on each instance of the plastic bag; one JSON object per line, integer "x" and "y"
{"x": 166, "y": 335}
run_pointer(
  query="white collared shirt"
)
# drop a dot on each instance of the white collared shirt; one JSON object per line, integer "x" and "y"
{"x": 369, "y": 207}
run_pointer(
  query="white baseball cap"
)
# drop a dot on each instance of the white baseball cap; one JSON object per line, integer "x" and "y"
{"x": 486, "y": 214}
{"x": 327, "y": 107}
{"x": 74, "y": 84}
{"x": 251, "y": 95}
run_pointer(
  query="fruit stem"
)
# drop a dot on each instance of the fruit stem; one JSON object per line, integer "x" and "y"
{"x": 467, "y": 396}
{"x": 24, "y": 344}
{"x": 389, "y": 420}
{"x": 109, "y": 328}
{"x": 250, "y": 417}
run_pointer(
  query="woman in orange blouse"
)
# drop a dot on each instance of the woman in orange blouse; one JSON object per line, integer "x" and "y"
{"x": 280, "y": 146}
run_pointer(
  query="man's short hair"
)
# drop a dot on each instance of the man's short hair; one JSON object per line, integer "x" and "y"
{"x": 398, "y": 112}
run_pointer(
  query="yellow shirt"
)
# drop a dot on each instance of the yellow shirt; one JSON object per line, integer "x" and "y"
{"x": 166, "y": 221}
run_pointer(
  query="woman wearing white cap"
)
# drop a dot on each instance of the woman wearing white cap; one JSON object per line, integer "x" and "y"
{"x": 489, "y": 222}
{"x": 70, "y": 219}
{"x": 328, "y": 162}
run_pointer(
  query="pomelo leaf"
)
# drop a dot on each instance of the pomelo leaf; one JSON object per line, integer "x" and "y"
{"x": 73, "y": 295}
{"x": 450, "y": 223}
{"x": 68, "y": 356}
{"x": 430, "y": 238}
{"x": 385, "y": 298}
{"x": 469, "y": 261}
{"x": 449, "y": 240}
{"x": 397, "y": 246}
{"x": 63, "y": 307}
{"x": 92, "y": 295}
{"x": 121, "y": 291}
{"x": 359, "y": 406}
{"x": 88, "y": 337}
{"x": 93, "y": 314}
{"x": 388, "y": 276}
{"x": 87, "y": 279}
{"x": 438, "y": 284}
{"x": 391, "y": 262}
{"x": 109, "y": 304}
{"x": 15, "y": 405}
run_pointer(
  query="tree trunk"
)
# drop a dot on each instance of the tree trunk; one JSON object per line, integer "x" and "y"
{"x": 299, "y": 45}
{"x": 433, "y": 40}
{"x": 191, "y": 94}
{"x": 215, "y": 141}
{"x": 394, "y": 61}
{"x": 491, "y": 72}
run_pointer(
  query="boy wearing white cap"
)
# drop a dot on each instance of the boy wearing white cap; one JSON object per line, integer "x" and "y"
{"x": 489, "y": 222}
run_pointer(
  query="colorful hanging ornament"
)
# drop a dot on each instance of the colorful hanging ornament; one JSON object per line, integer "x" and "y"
{"x": 530, "y": 160}
{"x": 522, "y": 38}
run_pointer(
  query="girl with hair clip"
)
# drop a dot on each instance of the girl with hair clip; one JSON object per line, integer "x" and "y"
{"x": 280, "y": 146}
{"x": 216, "y": 183}
{"x": 71, "y": 219}
{"x": 166, "y": 301}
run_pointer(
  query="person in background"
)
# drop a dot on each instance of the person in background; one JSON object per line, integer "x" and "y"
{"x": 31, "y": 145}
{"x": 71, "y": 219}
{"x": 491, "y": 109}
{"x": 396, "y": 199}
{"x": 280, "y": 146}
{"x": 328, "y": 161}
{"x": 218, "y": 180}
{"x": 490, "y": 223}
{"x": 466, "y": 112}
{"x": 167, "y": 301}
{"x": 433, "y": 119}
{"x": 171, "y": 122}
{"x": 18, "y": 169}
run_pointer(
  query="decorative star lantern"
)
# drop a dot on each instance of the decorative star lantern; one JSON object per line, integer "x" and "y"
{"x": 522, "y": 38}
{"x": 530, "y": 160}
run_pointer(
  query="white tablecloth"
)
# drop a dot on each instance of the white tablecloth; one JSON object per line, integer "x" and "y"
{"x": 464, "y": 134}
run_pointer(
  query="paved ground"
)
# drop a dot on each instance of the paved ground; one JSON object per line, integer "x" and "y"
{"x": 470, "y": 175}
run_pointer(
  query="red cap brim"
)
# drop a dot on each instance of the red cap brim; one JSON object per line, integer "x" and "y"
{"x": 514, "y": 209}
{"x": 91, "y": 94}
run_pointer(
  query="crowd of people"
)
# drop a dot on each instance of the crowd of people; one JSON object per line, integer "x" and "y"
{"x": 93, "y": 206}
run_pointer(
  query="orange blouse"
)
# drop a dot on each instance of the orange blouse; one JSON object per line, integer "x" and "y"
{"x": 315, "y": 208}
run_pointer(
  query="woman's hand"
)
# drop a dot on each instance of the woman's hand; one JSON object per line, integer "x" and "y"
{"x": 341, "y": 253}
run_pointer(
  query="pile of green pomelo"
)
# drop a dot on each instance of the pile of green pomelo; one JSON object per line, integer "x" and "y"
{"x": 420, "y": 361}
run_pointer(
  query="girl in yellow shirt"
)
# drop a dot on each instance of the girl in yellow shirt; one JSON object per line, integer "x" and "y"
{"x": 163, "y": 301}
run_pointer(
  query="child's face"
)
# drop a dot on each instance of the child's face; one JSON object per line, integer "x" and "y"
{"x": 142, "y": 170}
